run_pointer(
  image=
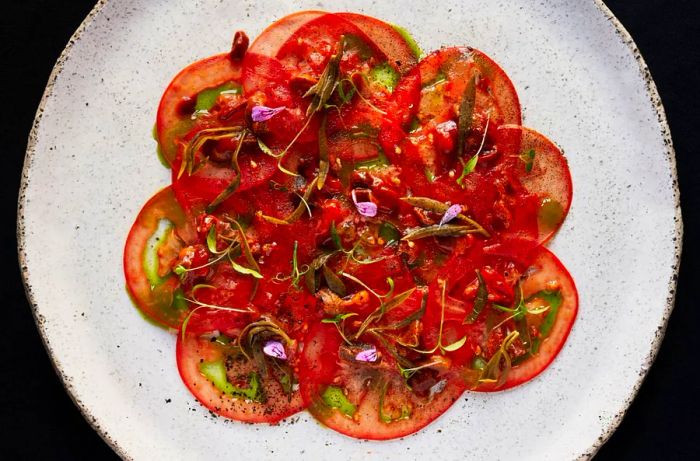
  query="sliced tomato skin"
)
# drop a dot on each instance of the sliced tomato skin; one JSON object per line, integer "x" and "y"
{"x": 192, "y": 350}
{"x": 156, "y": 303}
{"x": 547, "y": 267}
{"x": 171, "y": 120}
{"x": 399, "y": 54}
{"x": 548, "y": 177}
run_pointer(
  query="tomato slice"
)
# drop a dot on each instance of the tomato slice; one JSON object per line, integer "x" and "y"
{"x": 231, "y": 373}
{"x": 544, "y": 172}
{"x": 180, "y": 99}
{"x": 276, "y": 34}
{"x": 548, "y": 311}
{"x": 387, "y": 38}
{"x": 198, "y": 190}
{"x": 152, "y": 245}
{"x": 368, "y": 400}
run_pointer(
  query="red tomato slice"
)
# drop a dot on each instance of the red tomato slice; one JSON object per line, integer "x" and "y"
{"x": 367, "y": 400}
{"x": 178, "y": 102}
{"x": 444, "y": 76}
{"x": 387, "y": 39}
{"x": 256, "y": 388}
{"x": 152, "y": 245}
{"x": 309, "y": 47}
{"x": 545, "y": 283}
{"x": 198, "y": 190}
{"x": 544, "y": 172}
{"x": 276, "y": 34}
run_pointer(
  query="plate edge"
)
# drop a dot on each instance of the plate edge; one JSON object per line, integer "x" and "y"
{"x": 20, "y": 231}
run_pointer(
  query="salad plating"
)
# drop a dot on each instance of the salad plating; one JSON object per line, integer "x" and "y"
{"x": 352, "y": 228}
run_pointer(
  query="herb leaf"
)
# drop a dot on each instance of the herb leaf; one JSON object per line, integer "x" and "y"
{"x": 211, "y": 239}
{"x": 327, "y": 82}
{"x": 323, "y": 161}
{"x": 529, "y": 159}
{"x": 446, "y": 230}
{"x": 466, "y": 113}
{"x": 298, "y": 211}
{"x": 438, "y": 207}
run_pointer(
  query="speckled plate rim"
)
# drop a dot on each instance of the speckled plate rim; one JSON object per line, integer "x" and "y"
{"x": 654, "y": 99}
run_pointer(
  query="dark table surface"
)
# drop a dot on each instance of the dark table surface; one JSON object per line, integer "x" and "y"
{"x": 38, "y": 419}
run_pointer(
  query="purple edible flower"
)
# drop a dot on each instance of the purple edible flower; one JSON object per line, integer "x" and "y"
{"x": 368, "y": 209}
{"x": 262, "y": 113}
{"x": 275, "y": 349}
{"x": 451, "y": 214}
{"x": 367, "y": 355}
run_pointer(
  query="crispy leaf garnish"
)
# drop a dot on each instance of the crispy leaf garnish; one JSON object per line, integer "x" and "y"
{"x": 470, "y": 165}
{"x": 334, "y": 282}
{"x": 494, "y": 372}
{"x": 447, "y": 230}
{"x": 323, "y": 161}
{"x": 466, "y": 113}
{"x": 438, "y": 207}
{"x": 327, "y": 82}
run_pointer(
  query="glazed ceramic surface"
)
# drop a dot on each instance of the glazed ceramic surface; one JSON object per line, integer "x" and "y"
{"x": 91, "y": 165}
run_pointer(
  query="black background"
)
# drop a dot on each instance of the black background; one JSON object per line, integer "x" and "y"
{"x": 40, "y": 421}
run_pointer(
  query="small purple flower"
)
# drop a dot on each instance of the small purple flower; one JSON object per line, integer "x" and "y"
{"x": 275, "y": 349}
{"x": 262, "y": 113}
{"x": 451, "y": 214}
{"x": 368, "y": 209}
{"x": 367, "y": 355}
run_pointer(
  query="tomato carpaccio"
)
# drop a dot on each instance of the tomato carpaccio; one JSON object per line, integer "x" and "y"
{"x": 352, "y": 229}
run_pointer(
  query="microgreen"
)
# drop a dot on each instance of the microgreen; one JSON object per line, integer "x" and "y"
{"x": 198, "y": 141}
{"x": 466, "y": 113}
{"x": 492, "y": 371}
{"x": 323, "y": 158}
{"x": 438, "y": 345}
{"x": 298, "y": 211}
{"x": 338, "y": 322}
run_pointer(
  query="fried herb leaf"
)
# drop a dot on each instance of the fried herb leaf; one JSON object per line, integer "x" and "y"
{"x": 446, "y": 230}
{"x": 233, "y": 186}
{"x": 334, "y": 282}
{"x": 482, "y": 295}
{"x": 466, "y": 113}
{"x": 323, "y": 161}
{"x": 298, "y": 211}
{"x": 438, "y": 207}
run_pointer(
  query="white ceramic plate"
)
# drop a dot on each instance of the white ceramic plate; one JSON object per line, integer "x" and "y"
{"x": 91, "y": 164}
